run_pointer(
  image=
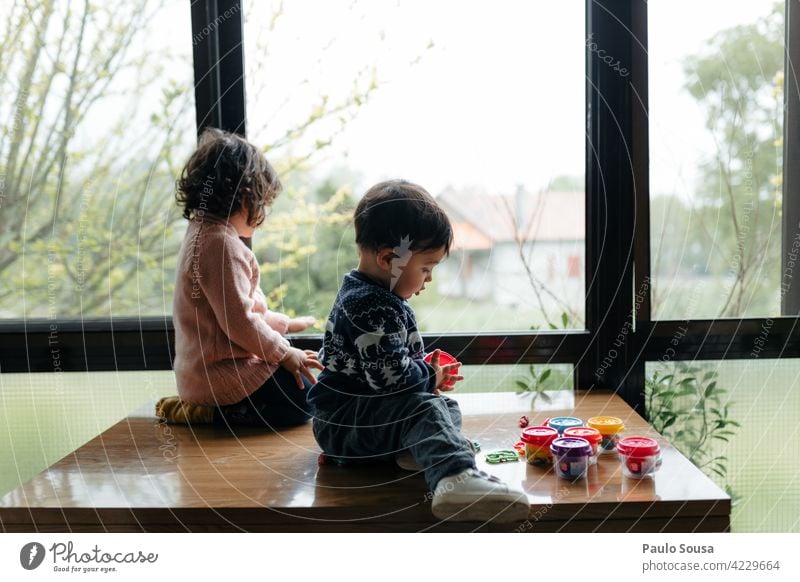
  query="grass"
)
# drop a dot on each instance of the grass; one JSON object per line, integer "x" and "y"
{"x": 447, "y": 314}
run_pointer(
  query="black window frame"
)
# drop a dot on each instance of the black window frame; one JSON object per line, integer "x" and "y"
{"x": 729, "y": 338}
{"x": 609, "y": 354}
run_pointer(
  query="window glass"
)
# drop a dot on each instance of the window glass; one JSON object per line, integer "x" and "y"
{"x": 716, "y": 127}
{"x": 483, "y": 105}
{"x": 96, "y": 119}
{"x": 727, "y": 418}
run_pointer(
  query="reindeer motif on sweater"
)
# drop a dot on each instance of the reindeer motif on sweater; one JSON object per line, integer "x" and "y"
{"x": 371, "y": 343}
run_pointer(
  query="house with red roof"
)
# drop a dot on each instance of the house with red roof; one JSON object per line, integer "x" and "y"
{"x": 521, "y": 249}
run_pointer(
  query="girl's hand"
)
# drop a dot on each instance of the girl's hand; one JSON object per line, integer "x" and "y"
{"x": 298, "y": 324}
{"x": 444, "y": 374}
{"x": 299, "y": 363}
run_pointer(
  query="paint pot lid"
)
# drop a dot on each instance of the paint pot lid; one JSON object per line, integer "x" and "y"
{"x": 560, "y": 423}
{"x": 539, "y": 435}
{"x": 444, "y": 358}
{"x": 637, "y": 446}
{"x": 606, "y": 424}
{"x": 571, "y": 447}
{"x": 590, "y": 434}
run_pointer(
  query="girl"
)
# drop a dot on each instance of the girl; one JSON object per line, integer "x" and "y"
{"x": 232, "y": 364}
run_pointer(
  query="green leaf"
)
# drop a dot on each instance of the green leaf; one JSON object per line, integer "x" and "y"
{"x": 710, "y": 389}
{"x": 545, "y": 375}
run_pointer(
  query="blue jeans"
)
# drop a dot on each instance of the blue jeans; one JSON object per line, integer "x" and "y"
{"x": 375, "y": 427}
{"x": 277, "y": 403}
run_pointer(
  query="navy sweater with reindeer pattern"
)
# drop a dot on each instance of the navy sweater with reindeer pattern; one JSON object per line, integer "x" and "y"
{"x": 371, "y": 346}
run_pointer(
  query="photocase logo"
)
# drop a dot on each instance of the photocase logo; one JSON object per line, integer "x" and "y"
{"x": 31, "y": 555}
{"x": 402, "y": 256}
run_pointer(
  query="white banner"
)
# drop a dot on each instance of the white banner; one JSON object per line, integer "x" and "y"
{"x": 386, "y": 557}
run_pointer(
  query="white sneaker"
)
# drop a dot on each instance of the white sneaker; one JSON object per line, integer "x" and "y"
{"x": 474, "y": 495}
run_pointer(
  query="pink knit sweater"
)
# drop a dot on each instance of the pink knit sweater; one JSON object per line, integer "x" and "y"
{"x": 227, "y": 343}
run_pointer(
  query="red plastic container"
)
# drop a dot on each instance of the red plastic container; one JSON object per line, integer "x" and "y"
{"x": 444, "y": 359}
{"x": 639, "y": 456}
{"x": 537, "y": 441}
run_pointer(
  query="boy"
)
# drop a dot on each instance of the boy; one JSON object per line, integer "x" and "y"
{"x": 376, "y": 396}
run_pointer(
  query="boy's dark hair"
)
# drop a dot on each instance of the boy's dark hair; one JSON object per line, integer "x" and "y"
{"x": 225, "y": 173}
{"x": 396, "y": 209}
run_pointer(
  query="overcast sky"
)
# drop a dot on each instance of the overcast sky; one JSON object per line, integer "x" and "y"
{"x": 471, "y": 93}
{"x": 497, "y": 100}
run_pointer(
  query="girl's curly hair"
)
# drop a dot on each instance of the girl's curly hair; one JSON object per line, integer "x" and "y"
{"x": 227, "y": 173}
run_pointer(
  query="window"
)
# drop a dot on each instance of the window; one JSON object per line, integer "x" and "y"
{"x": 367, "y": 91}
{"x": 99, "y": 120}
{"x": 716, "y": 158}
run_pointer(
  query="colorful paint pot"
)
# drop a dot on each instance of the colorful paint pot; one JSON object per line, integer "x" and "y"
{"x": 562, "y": 423}
{"x": 640, "y": 456}
{"x": 590, "y": 434}
{"x": 571, "y": 456}
{"x": 537, "y": 441}
{"x": 610, "y": 427}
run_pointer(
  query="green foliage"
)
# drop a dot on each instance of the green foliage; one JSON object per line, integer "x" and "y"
{"x": 538, "y": 380}
{"x": 306, "y": 247}
{"x": 535, "y": 382}
{"x": 92, "y": 137}
{"x": 691, "y": 410}
{"x": 89, "y": 227}
{"x": 565, "y": 183}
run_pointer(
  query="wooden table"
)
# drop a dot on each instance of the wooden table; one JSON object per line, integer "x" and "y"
{"x": 144, "y": 475}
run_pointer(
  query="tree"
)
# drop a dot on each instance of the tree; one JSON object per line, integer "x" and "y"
{"x": 84, "y": 221}
{"x": 735, "y": 219}
{"x": 307, "y": 246}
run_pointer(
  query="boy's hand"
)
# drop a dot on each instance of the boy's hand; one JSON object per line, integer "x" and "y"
{"x": 298, "y": 324}
{"x": 299, "y": 363}
{"x": 444, "y": 373}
